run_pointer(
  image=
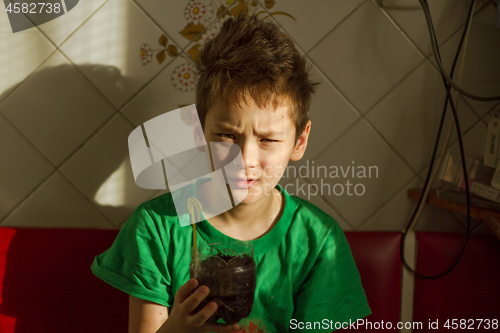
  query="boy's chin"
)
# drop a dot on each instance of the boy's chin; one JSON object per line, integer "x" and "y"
{"x": 243, "y": 197}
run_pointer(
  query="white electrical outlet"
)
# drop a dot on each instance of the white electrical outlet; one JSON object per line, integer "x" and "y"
{"x": 402, "y": 4}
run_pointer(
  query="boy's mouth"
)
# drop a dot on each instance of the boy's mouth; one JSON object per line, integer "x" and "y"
{"x": 243, "y": 182}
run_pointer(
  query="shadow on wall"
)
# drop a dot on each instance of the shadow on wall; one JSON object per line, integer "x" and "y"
{"x": 83, "y": 136}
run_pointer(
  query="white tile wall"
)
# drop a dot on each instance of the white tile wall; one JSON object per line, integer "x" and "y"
{"x": 308, "y": 22}
{"x": 22, "y": 167}
{"x": 365, "y": 62}
{"x": 112, "y": 37}
{"x": 331, "y": 114}
{"x": 447, "y": 18}
{"x": 101, "y": 171}
{"x": 58, "y": 30}
{"x": 396, "y": 213}
{"x": 160, "y": 95}
{"x": 56, "y": 203}
{"x": 65, "y": 116}
{"x": 362, "y": 148}
{"x": 178, "y": 21}
{"x": 56, "y": 108}
{"x": 411, "y": 128}
{"x": 21, "y": 52}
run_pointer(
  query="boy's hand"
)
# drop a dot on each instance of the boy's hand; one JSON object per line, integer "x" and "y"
{"x": 182, "y": 319}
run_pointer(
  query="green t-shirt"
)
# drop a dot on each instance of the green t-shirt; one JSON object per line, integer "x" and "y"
{"x": 304, "y": 267}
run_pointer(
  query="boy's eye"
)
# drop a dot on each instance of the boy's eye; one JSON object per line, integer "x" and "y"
{"x": 231, "y": 136}
{"x": 227, "y": 136}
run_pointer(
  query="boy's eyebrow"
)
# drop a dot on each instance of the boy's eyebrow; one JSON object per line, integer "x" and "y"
{"x": 230, "y": 128}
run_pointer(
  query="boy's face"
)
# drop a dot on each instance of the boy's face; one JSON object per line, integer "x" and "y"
{"x": 266, "y": 137}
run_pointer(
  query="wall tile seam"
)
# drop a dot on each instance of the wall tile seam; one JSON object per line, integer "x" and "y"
{"x": 464, "y": 133}
{"x": 335, "y": 27}
{"x": 387, "y": 202}
{"x": 28, "y": 141}
{"x": 462, "y": 26}
{"x": 401, "y": 31}
{"x": 391, "y": 89}
{"x": 159, "y": 26}
{"x": 116, "y": 111}
{"x": 88, "y": 199}
{"x": 77, "y": 150}
{"x": 390, "y": 147}
{"x": 140, "y": 89}
{"x": 84, "y": 21}
{"x": 58, "y": 168}
{"x": 329, "y": 81}
{"x": 427, "y": 30}
{"x": 43, "y": 180}
{"x": 119, "y": 107}
{"x": 344, "y": 97}
{"x": 12, "y": 211}
{"x": 383, "y": 96}
{"x": 320, "y": 40}
{"x": 368, "y": 121}
{"x": 403, "y": 79}
{"x": 315, "y": 65}
{"x": 24, "y": 80}
{"x": 27, "y": 197}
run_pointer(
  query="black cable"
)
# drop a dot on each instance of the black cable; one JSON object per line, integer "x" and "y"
{"x": 435, "y": 48}
{"x": 438, "y": 136}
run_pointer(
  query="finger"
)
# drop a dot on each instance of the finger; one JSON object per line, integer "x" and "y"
{"x": 185, "y": 290}
{"x": 195, "y": 299}
{"x": 201, "y": 317}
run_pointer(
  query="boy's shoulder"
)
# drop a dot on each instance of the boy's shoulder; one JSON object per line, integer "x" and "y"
{"x": 156, "y": 213}
{"x": 161, "y": 205}
{"x": 308, "y": 208}
{"x": 165, "y": 204}
{"x": 168, "y": 210}
{"x": 309, "y": 216}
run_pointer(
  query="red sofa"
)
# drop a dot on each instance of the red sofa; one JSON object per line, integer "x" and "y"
{"x": 47, "y": 285}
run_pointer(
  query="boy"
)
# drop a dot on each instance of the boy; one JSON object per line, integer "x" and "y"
{"x": 253, "y": 91}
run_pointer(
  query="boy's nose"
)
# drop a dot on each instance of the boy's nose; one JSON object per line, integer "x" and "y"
{"x": 249, "y": 153}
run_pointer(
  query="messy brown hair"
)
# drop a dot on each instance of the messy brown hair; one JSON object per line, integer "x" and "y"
{"x": 251, "y": 57}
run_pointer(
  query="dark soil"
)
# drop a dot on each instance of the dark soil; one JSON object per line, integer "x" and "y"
{"x": 231, "y": 280}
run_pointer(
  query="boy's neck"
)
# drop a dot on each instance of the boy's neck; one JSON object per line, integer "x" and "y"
{"x": 250, "y": 221}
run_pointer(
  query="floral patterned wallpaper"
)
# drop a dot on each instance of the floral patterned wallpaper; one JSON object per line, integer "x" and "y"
{"x": 198, "y": 30}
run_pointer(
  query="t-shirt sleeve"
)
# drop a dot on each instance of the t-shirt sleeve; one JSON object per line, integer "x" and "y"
{"x": 136, "y": 262}
{"x": 332, "y": 291}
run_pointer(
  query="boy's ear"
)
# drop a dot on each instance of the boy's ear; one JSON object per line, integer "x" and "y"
{"x": 199, "y": 137}
{"x": 300, "y": 146}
